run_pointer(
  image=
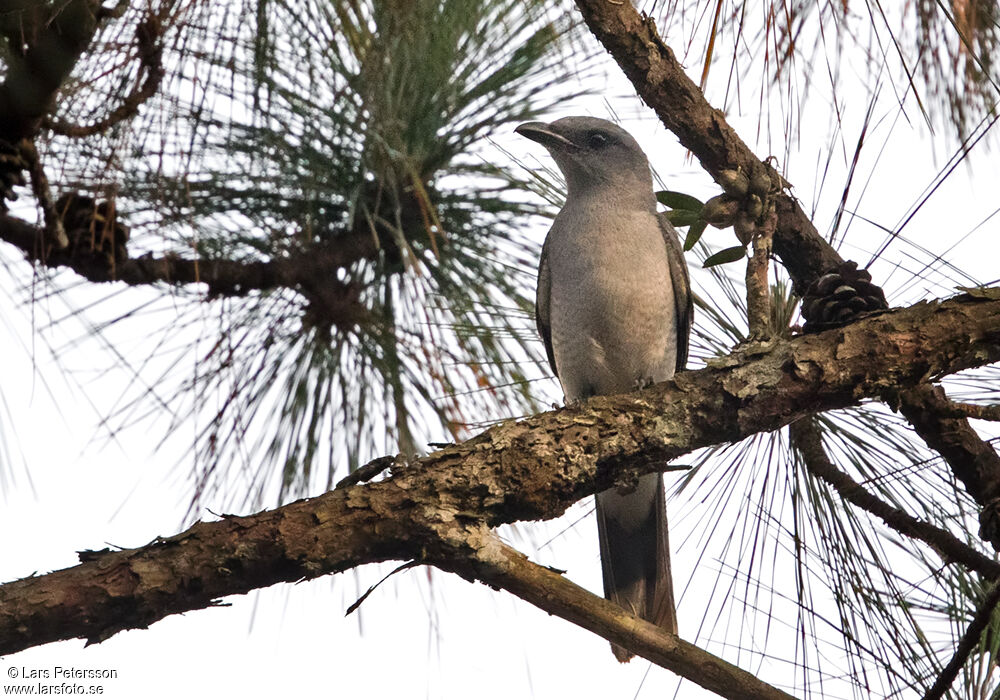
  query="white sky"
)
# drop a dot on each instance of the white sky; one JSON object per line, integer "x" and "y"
{"x": 424, "y": 633}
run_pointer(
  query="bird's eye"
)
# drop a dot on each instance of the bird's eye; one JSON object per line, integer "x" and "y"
{"x": 598, "y": 139}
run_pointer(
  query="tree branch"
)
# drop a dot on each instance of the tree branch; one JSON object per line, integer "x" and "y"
{"x": 298, "y": 270}
{"x": 661, "y": 82}
{"x": 501, "y": 566}
{"x": 960, "y": 409}
{"x": 806, "y": 438}
{"x": 972, "y": 460}
{"x": 526, "y": 470}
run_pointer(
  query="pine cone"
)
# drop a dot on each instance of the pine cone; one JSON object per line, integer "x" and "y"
{"x": 93, "y": 228}
{"x": 12, "y": 167}
{"x": 839, "y": 297}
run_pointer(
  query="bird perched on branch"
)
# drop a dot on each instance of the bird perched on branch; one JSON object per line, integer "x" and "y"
{"x": 614, "y": 309}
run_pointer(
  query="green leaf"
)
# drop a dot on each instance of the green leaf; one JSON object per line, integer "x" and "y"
{"x": 725, "y": 256}
{"x": 679, "y": 200}
{"x": 683, "y": 217}
{"x": 694, "y": 234}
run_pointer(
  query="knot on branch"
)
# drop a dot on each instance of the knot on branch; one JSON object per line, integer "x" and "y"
{"x": 95, "y": 234}
{"x": 840, "y": 296}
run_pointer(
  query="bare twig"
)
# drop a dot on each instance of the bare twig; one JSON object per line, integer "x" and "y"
{"x": 758, "y": 288}
{"x": 151, "y": 61}
{"x": 990, "y": 412}
{"x": 371, "y": 589}
{"x": 55, "y": 232}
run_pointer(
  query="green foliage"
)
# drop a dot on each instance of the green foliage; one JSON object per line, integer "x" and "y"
{"x": 679, "y": 200}
{"x": 726, "y": 255}
{"x": 360, "y": 129}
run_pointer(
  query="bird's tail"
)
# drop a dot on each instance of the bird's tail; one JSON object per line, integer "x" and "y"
{"x": 635, "y": 553}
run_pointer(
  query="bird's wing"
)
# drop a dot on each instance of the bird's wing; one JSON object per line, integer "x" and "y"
{"x": 542, "y": 290}
{"x": 683, "y": 301}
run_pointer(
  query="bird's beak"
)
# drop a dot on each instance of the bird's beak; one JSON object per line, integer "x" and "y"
{"x": 543, "y": 133}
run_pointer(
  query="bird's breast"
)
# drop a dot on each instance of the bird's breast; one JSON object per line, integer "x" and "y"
{"x": 612, "y": 314}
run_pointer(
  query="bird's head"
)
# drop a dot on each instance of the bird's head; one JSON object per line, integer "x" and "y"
{"x": 592, "y": 152}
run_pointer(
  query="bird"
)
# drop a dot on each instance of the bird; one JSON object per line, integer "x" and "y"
{"x": 614, "y": 309}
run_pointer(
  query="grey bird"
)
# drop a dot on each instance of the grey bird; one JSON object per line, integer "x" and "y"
{"x": 614, "y": 310}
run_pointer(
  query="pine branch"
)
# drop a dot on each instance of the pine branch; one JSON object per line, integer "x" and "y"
{"x": 662, "y": 83}
{"x": 527, "y": 470}
{"x": 309, "y": 270}
{"x": 806, "y": 439}
{"x": 973, "y": 460}
{"x": 496, "y": 564}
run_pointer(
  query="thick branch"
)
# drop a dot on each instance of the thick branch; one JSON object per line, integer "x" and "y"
{"x": 223, "y": 277}
{"x": 662, "y": 83}
{"x": 532, "y": 469}
{"x": 972, "y": 460}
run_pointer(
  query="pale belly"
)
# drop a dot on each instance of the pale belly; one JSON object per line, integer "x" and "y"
{"x": 611, "y": 309}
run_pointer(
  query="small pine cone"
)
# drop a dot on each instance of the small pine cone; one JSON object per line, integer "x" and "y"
{"x": 12, "y": 167}
{"x": 93, "y": 228}
{"x": 839, "y": 297}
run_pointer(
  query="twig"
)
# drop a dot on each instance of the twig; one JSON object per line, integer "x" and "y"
{"x": 368, "y": 471}
{"x": 55, "y": 232}
{"x": 758, "y": 289}
{"x": 960, "y": 409}
{"x": 807, "y": 440}
{"x": 357, "y": 604}
{"x": 966, "y": 645}
{"x": 148, "y": 34}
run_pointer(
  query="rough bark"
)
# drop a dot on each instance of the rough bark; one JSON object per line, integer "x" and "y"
{"x": 972, "y": 460}
{"x": 526, "y": 470}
